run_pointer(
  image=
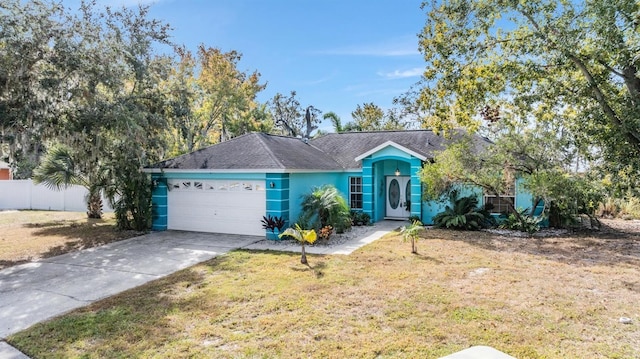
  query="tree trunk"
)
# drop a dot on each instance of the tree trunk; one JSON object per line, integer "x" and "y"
{"x": 94, "y": 205}
{"x": 303, "y": 259}
{"x": 414, "y": 249}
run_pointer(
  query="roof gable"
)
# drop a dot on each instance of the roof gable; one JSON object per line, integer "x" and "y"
{"x": 390, "y": 144}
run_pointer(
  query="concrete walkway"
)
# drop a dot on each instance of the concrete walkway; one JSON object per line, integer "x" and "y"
{"x": 34, "y": 292}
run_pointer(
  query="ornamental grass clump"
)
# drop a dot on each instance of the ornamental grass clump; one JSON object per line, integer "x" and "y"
{"x": 303, "y": 236}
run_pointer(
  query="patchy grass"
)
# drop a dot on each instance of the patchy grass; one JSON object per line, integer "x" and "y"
{"x": 30, "y": 235}
{"x": 558, "y": 297}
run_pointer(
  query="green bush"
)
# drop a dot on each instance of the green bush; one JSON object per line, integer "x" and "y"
{"x": 522, "y": 221}
{"x": 463, "y": 213}
{"x": 326, "y": 207}
{"x": 360, "y": 218}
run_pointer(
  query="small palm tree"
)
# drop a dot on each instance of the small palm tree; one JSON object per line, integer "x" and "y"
{"x": 327, "y": 207}
{"x": 303, "y": 236}
{"x": 58, "y": 170}
{"x": 412, "y": 232}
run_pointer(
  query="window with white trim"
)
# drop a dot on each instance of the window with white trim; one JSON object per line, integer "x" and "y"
{"x": 355, "y": 192}
{"x": 505, "y": 203}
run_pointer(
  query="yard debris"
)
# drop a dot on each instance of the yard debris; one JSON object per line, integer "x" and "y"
{"x": 545, "y": 232}
{"x": 625, "y": 320}
{"x": 478, "y": 271}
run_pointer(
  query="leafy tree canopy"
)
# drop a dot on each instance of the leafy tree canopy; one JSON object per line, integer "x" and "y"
{"x": 544, "y": 60}
{"x": 538, "y": 155}
{"x": 210, "y": 100}
{"x": 370, "y": 117}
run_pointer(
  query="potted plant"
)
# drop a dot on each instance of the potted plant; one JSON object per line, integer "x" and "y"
{"x": 273, "y": 224}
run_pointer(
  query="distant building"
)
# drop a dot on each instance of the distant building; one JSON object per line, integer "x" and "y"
{"x": 5, "y": 171}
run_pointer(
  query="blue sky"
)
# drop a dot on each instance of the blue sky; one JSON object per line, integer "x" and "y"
{"x": 335, "y": 54}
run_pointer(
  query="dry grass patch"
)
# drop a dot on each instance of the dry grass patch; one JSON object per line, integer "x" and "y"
{"x": 31, "y": 235}
{"x": 517, "y": 295}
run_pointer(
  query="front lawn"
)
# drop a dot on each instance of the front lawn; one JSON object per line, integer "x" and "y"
{"x": 557, "y": 297}
{"x": 31, "y": 235}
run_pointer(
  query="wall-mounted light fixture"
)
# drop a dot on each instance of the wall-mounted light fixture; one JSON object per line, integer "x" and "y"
{"x": 272, "y": 185}
{"x": 397, "y": 169}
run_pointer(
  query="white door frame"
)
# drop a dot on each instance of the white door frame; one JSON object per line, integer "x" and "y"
{"x": 397, "y": 194}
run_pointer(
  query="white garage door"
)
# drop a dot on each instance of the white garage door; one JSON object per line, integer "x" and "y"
{"x": 220, "y": 206}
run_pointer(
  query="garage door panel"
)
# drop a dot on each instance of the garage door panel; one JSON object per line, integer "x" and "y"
{"x": 204, "y": 214}
{"x": 214, "y": 210}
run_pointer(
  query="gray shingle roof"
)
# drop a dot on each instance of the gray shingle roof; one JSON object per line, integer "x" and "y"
{"x": 334, "y": 151}
{"x": 345, "y": 147}
{"x": 255, "y": 151}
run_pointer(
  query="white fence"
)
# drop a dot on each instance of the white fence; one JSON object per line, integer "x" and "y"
{"x": 24, "y": 194}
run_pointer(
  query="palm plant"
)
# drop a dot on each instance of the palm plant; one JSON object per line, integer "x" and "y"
{"x": 335, "y": 120}
{"x": 303, "y": 236}
{"x": 412, "y": 232}
{"x": 463, "y": 213}
{"x": 58, "y": 170}
{"x": 327, "y": 207}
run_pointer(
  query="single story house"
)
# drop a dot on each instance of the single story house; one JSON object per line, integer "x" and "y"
{"x": 230, "y": 186}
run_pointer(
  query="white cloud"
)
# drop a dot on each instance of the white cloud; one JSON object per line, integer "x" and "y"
{"x": 400, "y": 74}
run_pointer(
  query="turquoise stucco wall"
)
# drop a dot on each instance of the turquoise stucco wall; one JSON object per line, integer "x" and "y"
{"x": 303, "y": 183}
{"x": 524, "y": 199}
{"x": 159, "y": 204}
{"x": 431, "y": 208}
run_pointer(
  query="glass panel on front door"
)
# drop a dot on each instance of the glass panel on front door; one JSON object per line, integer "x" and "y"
{"x": 394, "y": 194}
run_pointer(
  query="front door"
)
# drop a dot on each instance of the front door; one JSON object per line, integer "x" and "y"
{"x": 398, "y": 197}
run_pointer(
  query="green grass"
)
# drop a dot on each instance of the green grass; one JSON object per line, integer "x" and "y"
{"x": 380, "y": 302}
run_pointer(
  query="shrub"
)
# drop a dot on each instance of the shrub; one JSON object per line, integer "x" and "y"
{"x": 608, "y": 208}
{"x": 524, "y": 222}
{"x": 272, "y": 223}
{"x": 630, "y": 208}
{"x": 463, "y": 213}
{"x": 325, "y": 233}
{"x": 326, "y": 207}
{"x": 360, "y": 218}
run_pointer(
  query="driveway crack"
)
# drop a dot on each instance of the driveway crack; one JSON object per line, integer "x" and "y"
{"x": 110, "y": 269}
{"x": 66, "y": 295}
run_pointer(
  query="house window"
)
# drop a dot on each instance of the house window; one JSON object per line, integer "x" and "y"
{"x": 505, "y": 203}
{"x": 355, "y": 192}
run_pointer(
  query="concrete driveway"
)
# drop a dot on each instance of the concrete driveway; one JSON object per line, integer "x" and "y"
{"x": 33, "y": 292}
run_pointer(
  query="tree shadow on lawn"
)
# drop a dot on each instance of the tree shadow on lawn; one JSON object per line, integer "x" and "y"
{"x": 608, "y": 246}
{"x": 427, "y": 258}
{"x": 64, "y": 223}
{"x": 81, "y": 235}
{"x": 316, "y": 267}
